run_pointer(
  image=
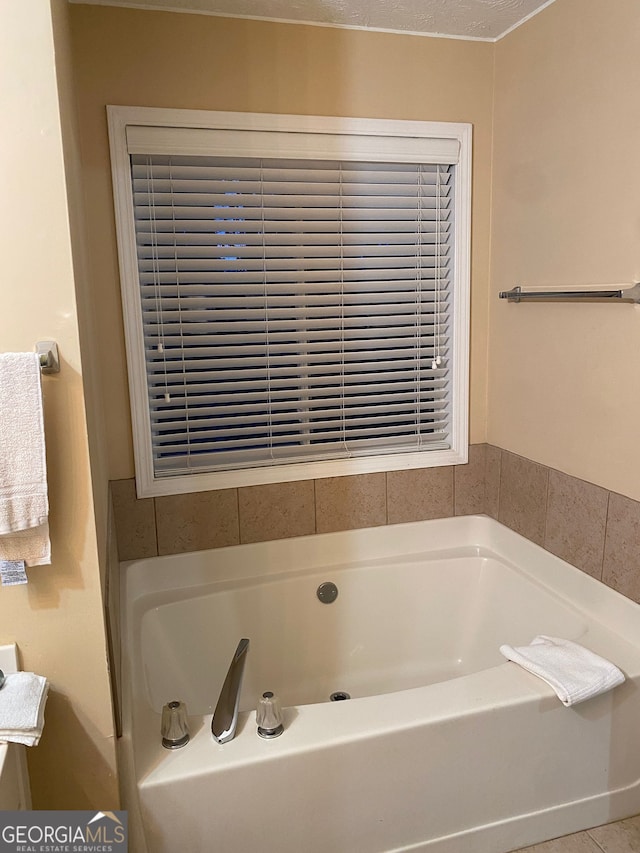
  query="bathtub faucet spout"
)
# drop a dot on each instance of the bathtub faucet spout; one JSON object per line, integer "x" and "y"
{"x": 225, "y": 717}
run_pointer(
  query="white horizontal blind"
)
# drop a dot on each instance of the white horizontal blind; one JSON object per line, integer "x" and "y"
{"x": 293, "y": 310}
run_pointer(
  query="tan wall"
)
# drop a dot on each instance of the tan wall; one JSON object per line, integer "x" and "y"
{"x": 85, "y": 307}
{"x": 57, "y": 618}
{"x": 161, "y": 59}
{"x": 564, "y": 379}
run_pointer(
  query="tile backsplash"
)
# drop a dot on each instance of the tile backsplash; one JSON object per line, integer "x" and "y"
{"x": 594, "y": 529}
{"x": 149, "y": 527}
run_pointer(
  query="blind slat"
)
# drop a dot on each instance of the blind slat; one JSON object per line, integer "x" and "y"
{"x": 174, "y": 414}
{"x": 199, "y": 172}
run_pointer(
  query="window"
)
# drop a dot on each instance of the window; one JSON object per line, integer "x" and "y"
{"x": 295, "y": 293}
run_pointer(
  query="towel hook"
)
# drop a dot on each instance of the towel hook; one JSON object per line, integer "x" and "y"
{"x": 48, "y": 353}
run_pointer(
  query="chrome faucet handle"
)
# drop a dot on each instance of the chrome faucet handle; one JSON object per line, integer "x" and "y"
{"x": 174, "y": 726}
{"x": 225, "y": 716}
{"x": 269, "y": 716}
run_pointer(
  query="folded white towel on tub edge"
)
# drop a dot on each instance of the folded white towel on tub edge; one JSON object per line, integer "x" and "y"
{"x": 574, "y": 672}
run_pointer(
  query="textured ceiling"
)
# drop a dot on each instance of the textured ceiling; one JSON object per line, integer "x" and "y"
{"x": 480, "y": 19}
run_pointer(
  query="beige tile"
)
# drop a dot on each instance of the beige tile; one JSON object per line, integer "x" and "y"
{"x": 493, "y": 466}
{"x": 469, "y": 482}
{"x": 276, "y": 511}
{"x": 135, "y": 522}
{"x": 579, "y": 842}
{"x": 419, "y": 493}
{"x": 621, "y": 837}
{"x": 622, "y": 547}
{"x": 576, "y": 522}
{"x": 344, "y": 503}
{"x": 196, "y": 521}
{"x": 523, "y": 496}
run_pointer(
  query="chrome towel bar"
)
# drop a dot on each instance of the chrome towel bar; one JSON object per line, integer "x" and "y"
{"x": 628, "y": 294}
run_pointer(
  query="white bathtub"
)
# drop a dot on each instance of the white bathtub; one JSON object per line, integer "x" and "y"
{"x": 444, "y": 746}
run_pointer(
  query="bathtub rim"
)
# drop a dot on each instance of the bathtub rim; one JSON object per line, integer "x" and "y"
{"x": 480, "y": 533}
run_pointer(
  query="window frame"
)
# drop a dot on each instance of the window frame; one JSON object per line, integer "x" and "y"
{"x": 148, "y": 485}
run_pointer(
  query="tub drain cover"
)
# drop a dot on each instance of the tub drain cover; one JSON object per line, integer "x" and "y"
{"x": 339, "y": 696}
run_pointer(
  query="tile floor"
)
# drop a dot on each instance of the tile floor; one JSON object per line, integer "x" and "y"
{"x": 621, "y": 837}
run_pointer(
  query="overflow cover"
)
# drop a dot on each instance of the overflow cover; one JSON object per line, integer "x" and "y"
{"x": 327, "y": 592}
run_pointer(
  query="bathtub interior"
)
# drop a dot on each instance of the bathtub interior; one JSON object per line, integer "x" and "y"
{"x": 395, "y": 625}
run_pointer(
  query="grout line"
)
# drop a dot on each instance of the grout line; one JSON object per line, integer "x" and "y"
{"x": 315, "y": 508}
{"x": 591, "y": 838}
{"x": 546, "y": 509}
{"x": 487, "y": 453}
{"x": 238, "y": 511}
{"x": 386, "y": 497}
{"x": 484, "y": 490}
{"x": 155, "y": 526}
{"x": 500, "y": 467}
{"x": 606, "y": 528}
{"x": 237, "y": 491}
{"x": 453, "y": 487}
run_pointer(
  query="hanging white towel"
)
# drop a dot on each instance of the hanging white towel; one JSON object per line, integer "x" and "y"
{"x": 24, "y": 503}
{"x": 574, "y": 672}
{"x": 22, "y": 699}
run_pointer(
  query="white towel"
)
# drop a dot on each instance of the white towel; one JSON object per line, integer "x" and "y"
{"x": 24, "y": 504}
{"x": 22, "y": 699}
{"x": 575, "y": 673}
